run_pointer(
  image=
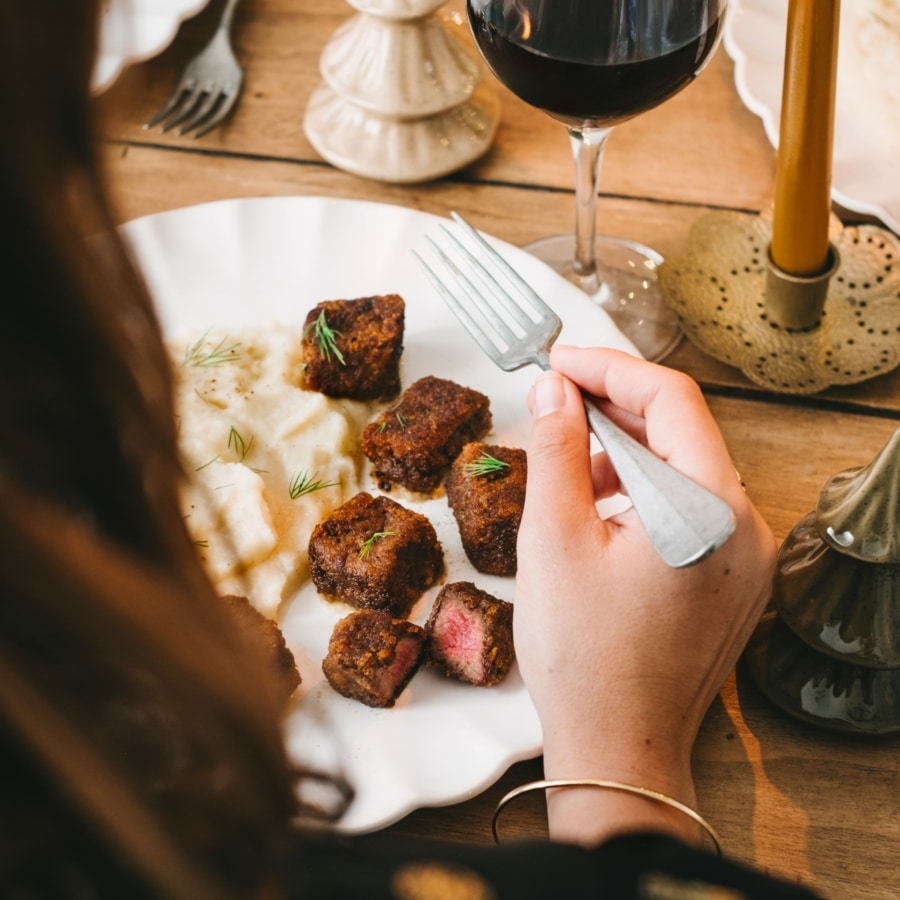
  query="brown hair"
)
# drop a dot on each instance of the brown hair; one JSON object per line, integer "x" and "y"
{"x": 139, "y": 751}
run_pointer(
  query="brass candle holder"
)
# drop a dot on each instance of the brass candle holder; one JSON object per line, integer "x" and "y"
{"x": 788, "y": 334}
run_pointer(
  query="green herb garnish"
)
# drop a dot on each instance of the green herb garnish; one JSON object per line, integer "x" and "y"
{"x": 201, "y": 353}
{"x": 237, "y": 443}
{"x": 484, "y": 465}
{"x": 402, "y": 421}
{"x": 324, "y": 336}
{"x": 370, "y": 543}
{"x": 304, "y": 483}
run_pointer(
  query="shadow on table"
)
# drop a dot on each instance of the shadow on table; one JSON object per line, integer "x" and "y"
{"x": 824, "y": 806}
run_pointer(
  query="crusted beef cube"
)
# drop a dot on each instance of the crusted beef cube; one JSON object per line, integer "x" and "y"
{"x": 374, "y": 553}
{"x": 372, "y": 656}
{"x": 361, "y": 358}
{"x": 470, "y": 634}
{"x": 268, "y": 636}
{"x": 413, "y": 443}
{"x": 486, "y": 491}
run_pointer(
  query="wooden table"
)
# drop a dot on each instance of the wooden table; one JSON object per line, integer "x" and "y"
{"x": 806, "y": 804}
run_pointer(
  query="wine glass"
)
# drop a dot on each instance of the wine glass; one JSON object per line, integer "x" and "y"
{"x": 592, "y": 64}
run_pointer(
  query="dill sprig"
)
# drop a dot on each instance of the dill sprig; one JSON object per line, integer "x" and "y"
{"x": 369, "y": 543}
{"x": 402, "y": 421}
{"x": 484, "y": 465}
{"x": 202, "y": 353}
{"x": 237, "y": 443}
{"x": 304, "y": 483}
{"x": 324, "y": 336}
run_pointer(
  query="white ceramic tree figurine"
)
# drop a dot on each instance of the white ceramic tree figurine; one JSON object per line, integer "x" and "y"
{"x": 402, "y": 99}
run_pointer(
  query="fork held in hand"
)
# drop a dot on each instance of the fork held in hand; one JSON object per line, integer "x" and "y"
{"x": 515, "y": 327}
{"x": 209, "y": 85}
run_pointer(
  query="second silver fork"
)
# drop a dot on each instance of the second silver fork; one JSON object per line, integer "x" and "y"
{"x": 515, "y": 327}
{"x": 209, "y": 86}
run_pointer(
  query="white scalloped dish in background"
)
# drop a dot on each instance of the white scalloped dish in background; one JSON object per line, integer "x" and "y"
{"x": 135, "y": 30}
{"x": 866, "y": 171}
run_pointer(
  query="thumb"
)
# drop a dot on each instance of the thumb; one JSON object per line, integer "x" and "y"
{"x": 559, "y": 486}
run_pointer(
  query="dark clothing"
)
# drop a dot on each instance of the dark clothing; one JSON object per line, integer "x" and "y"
{"x": 48, "y": 852}
{"x": 644, "y": 867}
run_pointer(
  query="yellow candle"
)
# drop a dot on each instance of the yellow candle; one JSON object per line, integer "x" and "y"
{"x": 803, "y": 175}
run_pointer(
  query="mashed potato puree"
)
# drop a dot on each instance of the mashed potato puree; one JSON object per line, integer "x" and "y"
{"x": 252, "y": 438}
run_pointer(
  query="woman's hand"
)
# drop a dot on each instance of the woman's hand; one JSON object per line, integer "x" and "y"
{"x": 623, "y": 655}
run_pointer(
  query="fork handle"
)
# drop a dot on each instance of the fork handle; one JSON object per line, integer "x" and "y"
{"x": 227, "y": 15}
{"x": 684, "y": 521}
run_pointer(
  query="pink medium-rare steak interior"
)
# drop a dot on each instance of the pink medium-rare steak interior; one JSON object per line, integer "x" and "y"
{"x": 459, "y": 635}
{"x": 469, "y": 634}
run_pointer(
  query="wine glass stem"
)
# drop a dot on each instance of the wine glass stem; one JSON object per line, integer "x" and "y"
{"x": 587, "y": 151}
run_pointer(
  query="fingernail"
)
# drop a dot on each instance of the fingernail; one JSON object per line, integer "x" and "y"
{"x": 549, "y": 394}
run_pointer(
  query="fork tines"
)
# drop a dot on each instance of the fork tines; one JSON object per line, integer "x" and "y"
{"x": 193, "y": 106}
{"x": 494, "y": 303}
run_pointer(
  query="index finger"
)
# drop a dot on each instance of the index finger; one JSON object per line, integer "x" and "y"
{"x": 678, "y": 425}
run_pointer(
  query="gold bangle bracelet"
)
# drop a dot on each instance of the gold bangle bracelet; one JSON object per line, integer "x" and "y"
{"x": 610, "y": 786}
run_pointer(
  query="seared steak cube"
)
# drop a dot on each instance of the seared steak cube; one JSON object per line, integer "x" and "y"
{"x": 413, "y": 443}
{"x": 470, "y": 634}
{"x": 486, "y": 491}
{"x": 352, "y": 347}
{"x": 374, "y": 553}
{"x": 372, "y": 656}
{"x": 266, "y": 633}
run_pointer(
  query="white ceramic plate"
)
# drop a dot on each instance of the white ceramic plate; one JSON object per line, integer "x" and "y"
{"x": 134, "y": 30}
{"x": 866, "y": 171}
{"x": 263, "y": 260}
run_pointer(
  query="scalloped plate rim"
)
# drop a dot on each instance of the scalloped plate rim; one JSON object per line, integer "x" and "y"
{"x": 149, "y": 31}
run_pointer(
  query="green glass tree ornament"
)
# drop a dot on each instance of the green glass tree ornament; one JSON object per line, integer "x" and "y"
{"x": 828, "y": 651}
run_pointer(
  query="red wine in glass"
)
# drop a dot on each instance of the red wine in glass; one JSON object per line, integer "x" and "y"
{"x": 593, "y": 64}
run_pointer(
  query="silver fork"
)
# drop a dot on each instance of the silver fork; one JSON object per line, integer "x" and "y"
{"x": 209, "y": 85}
{"x": 515, "y": 327}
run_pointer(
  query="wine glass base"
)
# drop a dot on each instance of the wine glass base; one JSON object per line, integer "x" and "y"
{"x": 626, "y": 287}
